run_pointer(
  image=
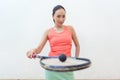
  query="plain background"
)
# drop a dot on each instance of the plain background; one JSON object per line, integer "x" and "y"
{"x": 23, "y": 22}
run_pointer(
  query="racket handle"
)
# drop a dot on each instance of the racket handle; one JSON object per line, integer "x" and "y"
{"x": 36, "y": 56}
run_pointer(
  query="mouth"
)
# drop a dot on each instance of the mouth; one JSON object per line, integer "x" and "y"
{"x": 60, "y": 22}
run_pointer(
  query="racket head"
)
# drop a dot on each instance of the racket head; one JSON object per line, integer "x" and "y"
{"x": 71, "y": 64}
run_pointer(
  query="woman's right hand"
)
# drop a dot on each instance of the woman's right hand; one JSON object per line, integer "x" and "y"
{"x": 30, "y": 53}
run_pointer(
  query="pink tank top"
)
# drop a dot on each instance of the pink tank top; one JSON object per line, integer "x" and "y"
{"x": 60, "y": 42}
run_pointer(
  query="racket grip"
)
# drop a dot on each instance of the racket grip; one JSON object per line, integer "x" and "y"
{"x": 34, "y": 56}
{"x": 37, "y": 56}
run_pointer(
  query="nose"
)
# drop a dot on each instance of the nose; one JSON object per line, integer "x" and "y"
{"x": 62, "y": 19}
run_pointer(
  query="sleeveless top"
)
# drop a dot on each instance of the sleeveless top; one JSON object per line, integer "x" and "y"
{"x": 60, "y": 42}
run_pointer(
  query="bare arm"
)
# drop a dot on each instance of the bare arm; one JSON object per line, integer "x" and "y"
{"x": 40, "y": 46}
{"x": 76, "y": 42}
{"x": 42, "y": 43}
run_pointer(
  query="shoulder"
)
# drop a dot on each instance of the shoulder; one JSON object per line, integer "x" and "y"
{"x": 47, "y": 31}
{"x": 70, "y": 28}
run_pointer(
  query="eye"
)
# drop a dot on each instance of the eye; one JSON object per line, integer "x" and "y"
{"x": 63, "y": 16}
{"x": 58, "y": 16}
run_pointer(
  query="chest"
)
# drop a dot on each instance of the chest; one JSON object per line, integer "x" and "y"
{"x": 62, "y": 38}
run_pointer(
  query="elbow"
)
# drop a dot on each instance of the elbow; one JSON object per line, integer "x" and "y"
{"x": 78, "y": 46}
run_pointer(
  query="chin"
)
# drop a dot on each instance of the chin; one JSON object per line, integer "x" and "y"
{"x": 59, "y": 24}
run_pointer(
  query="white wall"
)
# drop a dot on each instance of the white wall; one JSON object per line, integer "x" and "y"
{"x": 97, "y": 24}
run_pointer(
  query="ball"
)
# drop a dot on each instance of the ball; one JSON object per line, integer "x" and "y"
{"x": 62, "y": 57}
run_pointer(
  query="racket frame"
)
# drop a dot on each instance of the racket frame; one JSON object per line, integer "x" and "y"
{"x": 64, "y": 68}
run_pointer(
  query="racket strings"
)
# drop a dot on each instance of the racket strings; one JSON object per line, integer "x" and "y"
{"x": 71, "y": 64}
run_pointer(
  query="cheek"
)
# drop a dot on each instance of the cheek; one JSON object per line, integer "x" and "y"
{"x": 64, "y": 19}
{"x": 56, "y": 19}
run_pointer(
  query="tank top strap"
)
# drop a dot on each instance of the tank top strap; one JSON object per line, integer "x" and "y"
{"x": 67, "y": 28}
{"x": 51, "y": 30}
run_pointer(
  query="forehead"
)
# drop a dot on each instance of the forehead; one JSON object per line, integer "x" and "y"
{"x": 60, "y": 12}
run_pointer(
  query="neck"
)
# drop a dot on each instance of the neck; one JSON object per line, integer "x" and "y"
{"x": 58, "y": 27}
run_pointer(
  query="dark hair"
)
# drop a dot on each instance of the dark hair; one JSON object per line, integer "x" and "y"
{"x": 56, "y": 8}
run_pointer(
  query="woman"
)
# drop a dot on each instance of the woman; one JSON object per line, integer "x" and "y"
{"x": 60, "y": 38}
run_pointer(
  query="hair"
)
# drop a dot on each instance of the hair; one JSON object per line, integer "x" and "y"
{"x": 56, "y": 8}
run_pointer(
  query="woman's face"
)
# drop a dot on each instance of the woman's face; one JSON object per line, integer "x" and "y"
{"x": 59, "y": 17}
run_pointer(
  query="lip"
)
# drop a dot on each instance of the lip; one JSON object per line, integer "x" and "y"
{"x": 60, "y": 22}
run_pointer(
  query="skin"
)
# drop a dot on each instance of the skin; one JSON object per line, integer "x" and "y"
{"x": 59, "y": 18}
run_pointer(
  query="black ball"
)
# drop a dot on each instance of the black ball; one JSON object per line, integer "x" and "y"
{"x": 62, "y": 57}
